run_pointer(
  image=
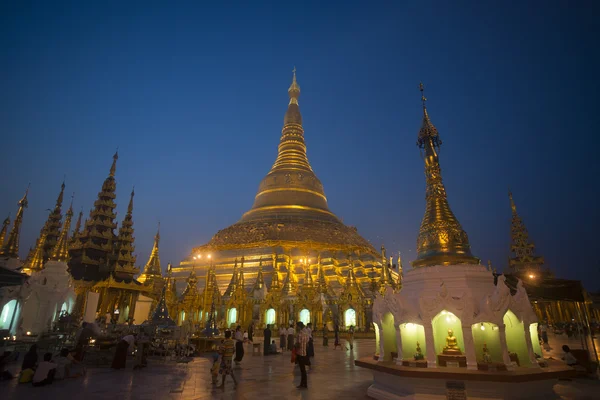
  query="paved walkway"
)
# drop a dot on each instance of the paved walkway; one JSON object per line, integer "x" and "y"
{"x": 333, "y": 376}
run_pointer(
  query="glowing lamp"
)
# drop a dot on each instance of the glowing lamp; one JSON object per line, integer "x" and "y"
{"x": 482, "y": 327}
{"x": 28, "y": 333}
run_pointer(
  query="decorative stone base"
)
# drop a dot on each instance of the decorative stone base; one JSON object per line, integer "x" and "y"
{"x": 394, "y": 382}
{"x": 445, "y": 360}
{"x": 414, "y": 363}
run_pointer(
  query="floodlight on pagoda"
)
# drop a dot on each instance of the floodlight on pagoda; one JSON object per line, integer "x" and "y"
{"x": 531, "y": 276}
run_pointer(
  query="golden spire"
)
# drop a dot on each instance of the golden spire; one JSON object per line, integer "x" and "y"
{"x": 113, "y": 167}
{"x": 291, "y": 188}
{"x": 152, "y": 267}
{"x": 385, "y": 276}
{"x": 241, "y": 281}
{"x": 308, "y": 280}
{"x": 233, "y": 283}
{"x": 275, "y": 274}
{"x": 5, "y": 225}
{"x": 35, "y": 259}
{"x": 522, "y": 247}
{"x": 11, "y": 248}
{"x": 61, "y": 249}
{"x": 124, "y": 260}
{"x": 441, "y": 240}
{"x": 53, "y": 225}
{"x": 321, "y": 279}
{"x": 76, "y": 231}
{"x": 260, "y": 280}
{"x": 289, "y": 285}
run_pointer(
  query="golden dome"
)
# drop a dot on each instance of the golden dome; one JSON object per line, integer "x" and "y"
{"x": 290, "y": 208}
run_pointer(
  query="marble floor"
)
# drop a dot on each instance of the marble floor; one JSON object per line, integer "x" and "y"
{"x": 332, "y": 376}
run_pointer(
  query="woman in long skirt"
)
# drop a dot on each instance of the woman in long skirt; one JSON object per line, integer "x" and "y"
{"x": 239, "y": 345}
{"x": 290, "y": 338}
{"x": 282, "y": 335}
{"x": 120, "y": 358}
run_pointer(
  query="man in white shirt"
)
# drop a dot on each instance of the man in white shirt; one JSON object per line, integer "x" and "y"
{"x": 44, "y": 374}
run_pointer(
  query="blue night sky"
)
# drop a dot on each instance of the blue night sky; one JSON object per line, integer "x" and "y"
{"x": 193, "y": 95}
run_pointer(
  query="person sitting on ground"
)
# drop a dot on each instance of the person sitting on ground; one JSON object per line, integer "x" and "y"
{"x": 273, "y": 348}
{"x": 67, "y": 365}
{"x": 5, "y": 375}
{"x": 569, "y": 358}
{"x": 29, "y": 365}
{"x": 44, "y": 374}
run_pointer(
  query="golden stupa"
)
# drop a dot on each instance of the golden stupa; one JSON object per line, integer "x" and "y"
{"x": 289, "y": 236}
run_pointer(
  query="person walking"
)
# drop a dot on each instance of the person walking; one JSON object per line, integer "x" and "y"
{"x": 301, "y": 353}
{"x": 310, "y": 349}
{"x": 267, "y": 340}
{"x": 290, "y": 337}
{"x": 239, "y": 345}
{"x": 351, "y": 336}
{"x": 325, "y": 336}
{"x": 282, "y": 335}
{"x": 251, "y": 331}
{"x": 226, "y": 353}
{"x": 124, "y": 347}
{"x": 544, "y": 331}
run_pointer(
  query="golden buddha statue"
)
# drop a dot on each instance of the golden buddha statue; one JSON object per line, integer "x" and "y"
{"x": 419, "y": 353}
{"x": 451, "y": 344}
{"x": 487, "y": 358}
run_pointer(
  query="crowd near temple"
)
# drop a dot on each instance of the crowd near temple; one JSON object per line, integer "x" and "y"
{"x": 289, "y": 259}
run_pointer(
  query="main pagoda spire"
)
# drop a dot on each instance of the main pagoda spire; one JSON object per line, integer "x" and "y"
{"x": 11, "y": 247}
{"x": 291, "y": 188}
{"x": 93, "y": 247}
{"x": 522, "y": 247}
{"x": 441, "y": 240}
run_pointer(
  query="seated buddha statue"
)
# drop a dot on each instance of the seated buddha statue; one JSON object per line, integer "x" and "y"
{"x": 487, "y": 358}
{"x": 419, "y": 353}
{"x": 451, "y": 344}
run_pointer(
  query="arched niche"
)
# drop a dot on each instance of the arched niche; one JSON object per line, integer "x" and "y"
{"x": 411, "y": 334}
{"x": 231, "y": 316}
{"x": 9, "y": 316}
{"x": 350, "y": 317}
{"x": 441, "y": 323}
{"x": 535, "y": 339}
{"x": 389, "y": 336}
{"x": 515, "y": 338}
{"x": 487, "y": 333}
{"x": 270, "y": 316}
{"x": 305, "y": 316}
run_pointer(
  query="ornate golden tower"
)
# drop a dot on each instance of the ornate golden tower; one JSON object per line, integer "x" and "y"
{"x": 61, "y": 248}
{"x": 290, "y": 208}
{"x": 91, "y": 253}
{"x": 441, "y": 241}
{"x": 524, "y": 259}
{"x": 53, "y": 225}
{"x": 11, "y": 247}
{"x": 152, "y": 271}
{"x": 124, "y": 260}
{"x": 77, "y": 230}
{"x": 45, "y": 243}
{"x": 5, "y": 225}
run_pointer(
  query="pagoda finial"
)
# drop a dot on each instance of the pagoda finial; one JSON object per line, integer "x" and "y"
{"x": 130, "y": 206}
{"x": 11, "y": 248}
{"x": 152, "y": 268}
{"x": 5, "y": 225}
{"x": 275, "y": 274}
{"x": 113, "y": 167}
{"x": 512, "y": 202}
{"x": 441, "y": 240}
{"x": 294, "y": 89}
{"x": 35, "y": 259}
{"x": 60, "y": 252}
{"x": 423, "y": 98}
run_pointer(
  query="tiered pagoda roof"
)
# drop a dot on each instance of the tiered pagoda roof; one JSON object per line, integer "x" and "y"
{"x": 93, "y": 248}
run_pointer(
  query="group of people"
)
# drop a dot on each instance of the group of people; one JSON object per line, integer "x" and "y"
{"x": 45, "y": 371}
